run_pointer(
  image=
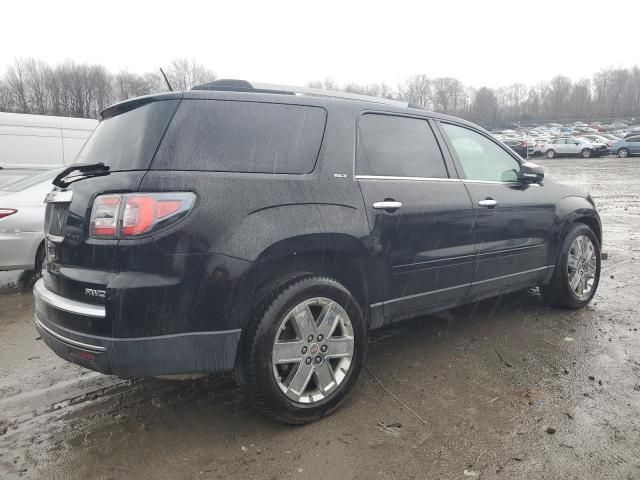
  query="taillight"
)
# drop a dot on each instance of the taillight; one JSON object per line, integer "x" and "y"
{"x": 5, "y": 212}
{"x": 134, "y": 214}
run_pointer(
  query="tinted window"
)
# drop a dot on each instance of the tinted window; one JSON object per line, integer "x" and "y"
{"x": 481, "y": 158}
{"x": 230, "y": 136}
{"x": 398, "y": 146}
{"x": 128, "y": 141}
{"x": 633, "y": 139}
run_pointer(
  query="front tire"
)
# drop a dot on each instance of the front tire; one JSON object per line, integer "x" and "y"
{"x": 577, "y": 271}
{"x": 586, "y": 153}
{"x": 623, "y": 153}
{"x": 551, "y": 154}
{"x": 304, "y": 349}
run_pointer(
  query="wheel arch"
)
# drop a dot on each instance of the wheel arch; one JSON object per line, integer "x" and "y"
{"x": 572, "y": 210}
{"x": 339, "y": 256}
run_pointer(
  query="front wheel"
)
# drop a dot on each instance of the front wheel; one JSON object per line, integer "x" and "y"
{"x": 577, "y": 271}
{"x": 623, "y": 153}
{"x": 586, "y": 153}
{"x": 303, "y": 351}
{"x": 551, "y": 153}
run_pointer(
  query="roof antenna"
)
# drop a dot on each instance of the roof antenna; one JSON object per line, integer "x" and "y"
{"x": 166, "y": 80}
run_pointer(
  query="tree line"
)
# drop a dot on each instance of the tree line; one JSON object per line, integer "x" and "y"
{"x": 83, "y": 90}
{"x": 73, "y": 89}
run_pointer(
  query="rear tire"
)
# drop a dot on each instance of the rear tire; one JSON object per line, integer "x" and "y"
{"x": 577, "y": 271}
{"x": 623, "y": 153}
{"x": 288, "y": 369}
{"x": 551, "y": 154}
{"x": 39, "y": 262}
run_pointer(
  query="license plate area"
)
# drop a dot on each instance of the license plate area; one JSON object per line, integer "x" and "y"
{"x": 56, "y": 219}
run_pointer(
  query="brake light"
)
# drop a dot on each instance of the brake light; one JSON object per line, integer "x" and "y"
{"x": 5, "y": 212}
{"x": 130, "y": 215}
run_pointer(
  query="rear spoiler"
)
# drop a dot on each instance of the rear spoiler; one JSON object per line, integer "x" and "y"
{"x": 125, "y": 106}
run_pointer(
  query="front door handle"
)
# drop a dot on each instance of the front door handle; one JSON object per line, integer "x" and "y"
{"x": 488, "y": 202}
{"x": 387, "y": 205}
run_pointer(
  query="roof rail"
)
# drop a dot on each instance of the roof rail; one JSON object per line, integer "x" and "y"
{"x": 244, "y": 86}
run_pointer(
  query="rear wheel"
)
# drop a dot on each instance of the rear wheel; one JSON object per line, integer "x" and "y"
{"x": 623, "y": 153}
{"x": 551, "y": 153}
{"x": 304, "y": 350}
{"x": 577, "y": 272}
{"x": 586, "y": 153}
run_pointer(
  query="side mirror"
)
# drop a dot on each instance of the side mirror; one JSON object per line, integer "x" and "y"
{"x": 530, "y": 173}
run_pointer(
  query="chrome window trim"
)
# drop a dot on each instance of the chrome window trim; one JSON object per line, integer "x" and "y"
{"x": 65, "y": 304}
{"x": 386, "y": 177}
{"x": 437, "y": 179}
{"x": 67, "y": 340}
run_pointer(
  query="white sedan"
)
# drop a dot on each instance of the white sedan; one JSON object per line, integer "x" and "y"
{"x": 573, "y": 146}
{"x": 22, "y": 212}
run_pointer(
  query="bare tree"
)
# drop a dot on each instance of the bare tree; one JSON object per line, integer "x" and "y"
{"x": 417, "y": 89}
{"x": 485, "y": 107}
{"x": 558, "y": 95}
{"x": 185, "y": 73}
{"x": 16, "y": 83}
{"x": 444, "y": 93}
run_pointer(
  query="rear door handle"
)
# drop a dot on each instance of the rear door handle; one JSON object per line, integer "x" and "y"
{"x": 387, "y": 205}
{"x": 488, "y": 202}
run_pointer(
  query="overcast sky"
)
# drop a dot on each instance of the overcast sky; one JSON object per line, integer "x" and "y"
{"x": 486, "y": 42}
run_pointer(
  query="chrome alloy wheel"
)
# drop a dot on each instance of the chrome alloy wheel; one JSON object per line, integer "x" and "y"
{"x": 581, "y": 266}
{"x": 313, "y": 350}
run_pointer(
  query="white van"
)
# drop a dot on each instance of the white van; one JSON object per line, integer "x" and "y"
{"x": 38, "y": 142}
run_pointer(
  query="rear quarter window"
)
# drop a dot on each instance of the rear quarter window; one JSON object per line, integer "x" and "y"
{"x": 250, "y": 137}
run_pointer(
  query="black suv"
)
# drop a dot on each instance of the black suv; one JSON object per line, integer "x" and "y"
{"x": 267, "y": 230}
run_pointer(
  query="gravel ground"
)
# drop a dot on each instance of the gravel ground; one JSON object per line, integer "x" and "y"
{"x": 506, "y": 388}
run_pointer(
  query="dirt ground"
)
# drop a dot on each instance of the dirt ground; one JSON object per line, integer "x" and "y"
{"x": 507, "y": 388}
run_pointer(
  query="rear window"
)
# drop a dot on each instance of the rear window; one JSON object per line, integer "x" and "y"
{"x": 128, "y": 141}
{"x": 232, "y": 136}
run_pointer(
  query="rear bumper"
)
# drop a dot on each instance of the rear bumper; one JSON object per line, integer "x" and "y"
{"x": 183, "y": 353}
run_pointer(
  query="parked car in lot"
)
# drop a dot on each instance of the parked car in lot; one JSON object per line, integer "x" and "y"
{"x": 631, "y": 133}
{"x": 21, "y": 219}
{"x": 521, "y": 147}
{"x": 610, "y": 136}
{"x": 619, "y": 126}
{"x": 574, "y": 146}
{"x": 240, "y": 227}
{"x": 628, "y": 146}
{"x": 598, "y": 139}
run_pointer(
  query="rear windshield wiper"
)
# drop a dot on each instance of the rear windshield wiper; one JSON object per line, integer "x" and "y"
{"x": 84, "y": 170}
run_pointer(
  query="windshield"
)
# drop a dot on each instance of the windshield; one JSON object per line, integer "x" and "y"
{"x": 31, "y": 181}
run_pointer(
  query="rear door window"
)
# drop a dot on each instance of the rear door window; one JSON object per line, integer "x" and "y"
{"x": 250, "y": 137}
{"x": 396, "y": 146}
